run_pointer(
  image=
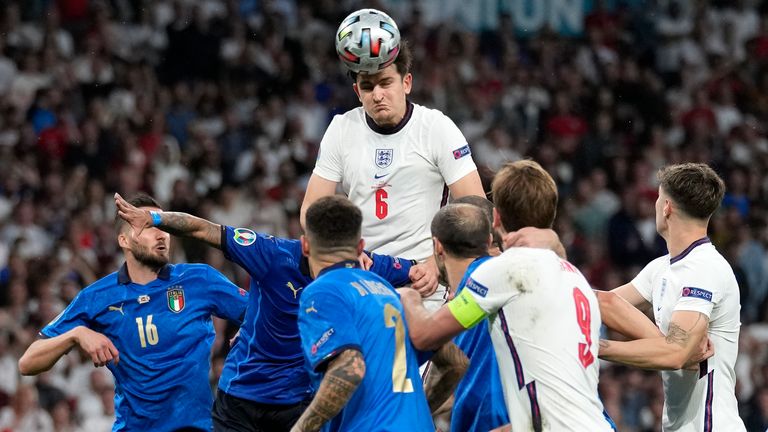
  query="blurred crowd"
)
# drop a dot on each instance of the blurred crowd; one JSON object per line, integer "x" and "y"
{"x": 217, "y": 107}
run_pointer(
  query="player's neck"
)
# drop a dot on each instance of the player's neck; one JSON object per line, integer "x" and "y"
{"x": 140, "y": 273}
{"x": 455, "y": 269}
{"x": 319, "y": 262}
{"x": 680, "y": 236}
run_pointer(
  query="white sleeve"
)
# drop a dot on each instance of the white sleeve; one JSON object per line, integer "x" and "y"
{"x": 453, "y": 155}
{"x": 329, "y": 164}
{"x": 701, "y": 290}
{"x": 643, "y": 282}
{"x": 490, "y": 287}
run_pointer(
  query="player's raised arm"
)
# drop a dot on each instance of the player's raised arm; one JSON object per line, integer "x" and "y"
{"x": 344, "y": 375}
{"x": 44, "y": 353}
{"x": 317, "y": 188}
{"x": 679, "y": 348}
{"x": 470, "y": 184}
{"x": 176, "y": 223}
{"x": 544, "y": 238}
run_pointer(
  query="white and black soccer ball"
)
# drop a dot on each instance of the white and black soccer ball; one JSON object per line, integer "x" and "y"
{"x": 367, "y": 41}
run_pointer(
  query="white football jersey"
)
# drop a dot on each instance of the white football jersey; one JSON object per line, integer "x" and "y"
{"x": 397, "y": 177}
{"x": 545, "y": 326}
{"x": 699, "y": 279}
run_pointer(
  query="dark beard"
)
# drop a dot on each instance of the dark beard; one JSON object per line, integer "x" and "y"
{"x": 147, "y": 258}
{"x": 442, "y": 273}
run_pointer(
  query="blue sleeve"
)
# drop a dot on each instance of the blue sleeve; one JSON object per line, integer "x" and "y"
{"x": 325, "y": 325}
{"x": 250, "y": 250}
{"x": 393, "y": 270}
{"x": 228, "y": 300}
{"x": 76, "y": 314}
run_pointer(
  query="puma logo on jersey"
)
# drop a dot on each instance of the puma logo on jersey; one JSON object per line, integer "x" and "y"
{"x": 119, "y": 309}
{"x": 311, "y": 308}
{"x": 294, "y": 289}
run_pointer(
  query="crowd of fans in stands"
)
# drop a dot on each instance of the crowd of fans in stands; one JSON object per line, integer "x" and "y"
{"x": 217, "y": 107}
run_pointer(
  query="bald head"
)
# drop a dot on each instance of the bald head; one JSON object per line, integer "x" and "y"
{"x": 463, "y": 229}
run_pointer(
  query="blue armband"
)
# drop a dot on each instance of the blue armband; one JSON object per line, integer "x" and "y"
{"x": 156, "y": 218}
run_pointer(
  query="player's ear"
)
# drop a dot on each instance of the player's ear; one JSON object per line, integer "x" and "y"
{"x": 360, "y": 246}
{"x": 497, "y": 221}
{"x": 304, "y": 246}
{"x": 407, "y": 83}
{"x": 122, "y": 240}
{"x": 357, "y": 92}
{"x": 667, "y": 209}
{"x": 439, "y": 250}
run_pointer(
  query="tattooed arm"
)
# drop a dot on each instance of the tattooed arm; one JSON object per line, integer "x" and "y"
{"x": 685, "y": 343}
{"x": 176, "y": 223}
{"x": 448, "y": 367}
{"x": 343, "y": 376}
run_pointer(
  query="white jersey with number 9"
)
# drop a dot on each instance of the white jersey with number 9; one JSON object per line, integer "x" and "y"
{"x": 545, "y": 326}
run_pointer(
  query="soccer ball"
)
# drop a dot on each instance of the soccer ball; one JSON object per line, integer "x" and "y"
{"x": 367, "y": 41}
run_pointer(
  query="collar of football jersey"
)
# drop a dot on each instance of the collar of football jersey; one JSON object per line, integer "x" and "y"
{"x": 339, "y": 265}
{"x": 123, "y": 278}
{"x": 396, "y": 128}
{"x": 692, "y": 246}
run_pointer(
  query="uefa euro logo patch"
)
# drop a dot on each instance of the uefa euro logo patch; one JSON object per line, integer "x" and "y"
{"x": 384, "y": 157}
{"x": 176, "y": 300}
{"x": 697, "y": 293}
{"x": 244, "y": 236}
{"x": 461, "y": 152}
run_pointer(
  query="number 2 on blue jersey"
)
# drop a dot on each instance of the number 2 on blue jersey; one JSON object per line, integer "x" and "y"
{"x": 400, "y": 381}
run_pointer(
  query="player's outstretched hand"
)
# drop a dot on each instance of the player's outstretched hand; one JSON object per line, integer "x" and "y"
{"x": 365, "y": 261}
{"x": 98, "y": 346}
{"x": 535, "y": 238}
{"x": 136, "y": 217}
{"x": 705, "y": 350}
{"x": 424, "y": 278}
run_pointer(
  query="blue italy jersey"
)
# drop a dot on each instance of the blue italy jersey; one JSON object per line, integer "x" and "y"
{"x": 265, "y": 364}
{"x": 479, "y": 403}
{"x": 164, "y": 333}
{"x": 348, "y": 308}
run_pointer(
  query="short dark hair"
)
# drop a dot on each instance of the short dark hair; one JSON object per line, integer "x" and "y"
{"x": 525, "y": 195}
{"x": 462, "y": 229}
{"x": 139, "y": 200}
{"x": 333, "y": 223}
{"x": 403, "y": 61}
{"x": 694, "y": 187}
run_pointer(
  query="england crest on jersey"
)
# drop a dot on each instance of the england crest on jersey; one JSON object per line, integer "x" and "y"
{"x": 176, "y": 299}
{"x": 384, "y": 157}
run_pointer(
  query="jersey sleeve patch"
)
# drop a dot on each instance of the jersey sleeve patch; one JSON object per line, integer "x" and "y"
{"x": 466, "y": 310}
{"x": 698, "y": 293}
{"x": 323, "y": 339}
{"x": 461, "y": 152}
{"x": 476, "y": 287}
{"x": 244, "y": 236}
